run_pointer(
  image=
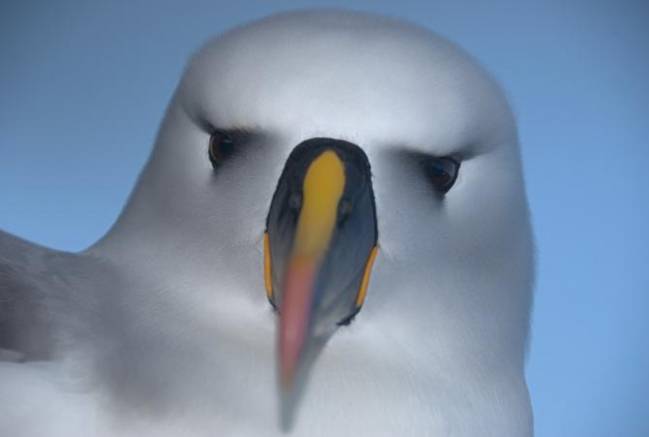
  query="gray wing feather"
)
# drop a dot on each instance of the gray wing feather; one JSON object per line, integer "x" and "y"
{"x": 28, "y": 276}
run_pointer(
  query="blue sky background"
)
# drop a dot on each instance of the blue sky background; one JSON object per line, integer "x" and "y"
{"x": 83, "y": 88}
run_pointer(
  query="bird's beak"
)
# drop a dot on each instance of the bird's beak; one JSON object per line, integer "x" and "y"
{"x": 313, "y": 291}
{"x": 323, "y": 187}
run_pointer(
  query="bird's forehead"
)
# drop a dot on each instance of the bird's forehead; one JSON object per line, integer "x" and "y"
{"x": 360, "y": 79}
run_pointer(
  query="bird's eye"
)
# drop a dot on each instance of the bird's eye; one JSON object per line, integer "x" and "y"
{"x": 222, "y": 146}
{"x": 442, "y": 173}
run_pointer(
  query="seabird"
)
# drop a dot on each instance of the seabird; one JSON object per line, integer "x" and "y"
{"x": 330, "y": 238}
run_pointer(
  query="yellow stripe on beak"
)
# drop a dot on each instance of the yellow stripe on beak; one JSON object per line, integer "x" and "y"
{"x": 323, "y": 187}
{"x": 362, "y": 292}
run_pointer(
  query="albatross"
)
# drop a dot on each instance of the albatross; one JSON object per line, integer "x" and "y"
{"x": 331, "y": 238}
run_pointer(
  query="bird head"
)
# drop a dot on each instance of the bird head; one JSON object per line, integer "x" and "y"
{"x": 301, "y": 150}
